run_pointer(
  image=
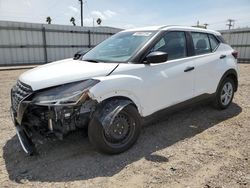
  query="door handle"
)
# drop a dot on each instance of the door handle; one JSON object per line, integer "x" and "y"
{"x": 189, "y": 69}
{"x": 222, "y": 56}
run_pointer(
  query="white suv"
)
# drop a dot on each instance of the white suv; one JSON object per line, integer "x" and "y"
{"x": 113, "y": 87}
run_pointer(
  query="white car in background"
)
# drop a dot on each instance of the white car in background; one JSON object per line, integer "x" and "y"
{"x": 130, "y": 76}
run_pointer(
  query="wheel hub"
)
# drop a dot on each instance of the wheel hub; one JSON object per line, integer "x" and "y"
{"x": 226, "y": 93}
{"x": 119, "y": 127}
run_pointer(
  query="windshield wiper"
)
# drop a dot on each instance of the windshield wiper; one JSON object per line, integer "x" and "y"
{"x": 91, "y": 60}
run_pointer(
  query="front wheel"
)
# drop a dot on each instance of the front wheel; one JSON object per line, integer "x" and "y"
{"x": 122, "y": 134}
{"x": 225, "y": 94}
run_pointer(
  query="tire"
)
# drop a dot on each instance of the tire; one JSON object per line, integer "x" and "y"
{"x": 129, "y": 118}
{"x": 224, "y": 94}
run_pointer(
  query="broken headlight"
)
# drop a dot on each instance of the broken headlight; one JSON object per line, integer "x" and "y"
{"x": 71, "y": 93}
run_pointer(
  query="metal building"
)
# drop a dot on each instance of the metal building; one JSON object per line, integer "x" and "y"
{"x": 239, "y": 39}
{"x": 31, "y": 43}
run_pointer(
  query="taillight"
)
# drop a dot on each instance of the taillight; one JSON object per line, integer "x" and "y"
{"x": 235, "y": 54}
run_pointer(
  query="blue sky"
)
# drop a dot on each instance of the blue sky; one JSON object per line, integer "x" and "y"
{"x": 130, "y": 13}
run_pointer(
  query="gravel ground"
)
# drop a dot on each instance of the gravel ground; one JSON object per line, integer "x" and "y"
{"x": 195, "y": 147}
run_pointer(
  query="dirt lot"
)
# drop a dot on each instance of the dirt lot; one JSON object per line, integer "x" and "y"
{"x": 196, "y": 147}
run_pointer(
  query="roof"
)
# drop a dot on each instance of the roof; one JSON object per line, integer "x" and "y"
{"x": 172, "y": 27}
{"x": 238, "y": 30}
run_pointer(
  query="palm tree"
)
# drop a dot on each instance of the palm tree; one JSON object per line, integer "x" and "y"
{"x": 72, "y": 20}
{"x": 48, "y": 19}
{"x": 99, "y": 21}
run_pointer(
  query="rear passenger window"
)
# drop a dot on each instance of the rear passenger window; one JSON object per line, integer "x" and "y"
{"x": 201, "y": 43}
{"x": 214, "y": 42}
{"x": 173, "y": 43}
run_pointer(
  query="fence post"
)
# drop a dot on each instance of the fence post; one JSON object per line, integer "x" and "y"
{"x": 45, "y": 45}
{"x": 89, "y": 36}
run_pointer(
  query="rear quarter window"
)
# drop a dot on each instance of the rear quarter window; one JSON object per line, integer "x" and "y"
{"x": 221, "y": 39}
{"x": 213, "y": 42}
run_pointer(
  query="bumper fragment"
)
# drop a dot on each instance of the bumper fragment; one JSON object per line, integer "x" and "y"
{"x": 25, "y": 141}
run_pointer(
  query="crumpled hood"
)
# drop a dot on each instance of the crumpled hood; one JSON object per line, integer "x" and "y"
{"x": 64, "y": 71}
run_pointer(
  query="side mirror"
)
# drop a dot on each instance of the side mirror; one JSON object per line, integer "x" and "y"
{"x": 156, "y": 57}
{"x": 79, "y": 54}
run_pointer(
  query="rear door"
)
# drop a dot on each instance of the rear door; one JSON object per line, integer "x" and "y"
{"x": 206, "y": 59}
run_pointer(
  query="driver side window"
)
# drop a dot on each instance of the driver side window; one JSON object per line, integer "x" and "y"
{"x": 173, "y": 43}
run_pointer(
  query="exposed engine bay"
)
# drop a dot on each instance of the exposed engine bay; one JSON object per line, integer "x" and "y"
{"x": 57, "y": 120}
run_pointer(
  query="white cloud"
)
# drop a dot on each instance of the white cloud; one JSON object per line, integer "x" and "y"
{"x": 88, "y": 21}
{"x": 128, "y": 26}
{"x": 95, "y": 14}
{"x": 216, "y": 18}
{"x": 103, "y": 15}
{"x": 98, "y": 14}
{"x": 109, "y": 13}
{"x": 74, "y": 9}
{"x": 28, "y": 3}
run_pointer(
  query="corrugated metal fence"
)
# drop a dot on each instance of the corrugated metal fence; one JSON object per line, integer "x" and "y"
{"x": 239, "y": 39}
{"x": 30, "y": 43}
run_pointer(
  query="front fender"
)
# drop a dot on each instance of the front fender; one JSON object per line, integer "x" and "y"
{"x": 108, "y": 110}
{"x": 118, "y": 86}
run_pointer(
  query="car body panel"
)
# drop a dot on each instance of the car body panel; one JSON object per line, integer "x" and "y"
{"x": 210, "y": 68}
{"x": 207, "y": 72}
{"x": 148, "y": 85}
{"x": 64, "y": 71}
{"x": 158, "y": 86}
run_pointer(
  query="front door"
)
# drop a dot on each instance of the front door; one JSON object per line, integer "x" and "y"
{"x": 170, "y": 82}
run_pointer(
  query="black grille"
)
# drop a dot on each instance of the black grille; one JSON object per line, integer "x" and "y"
{"x": 18, "y": 93}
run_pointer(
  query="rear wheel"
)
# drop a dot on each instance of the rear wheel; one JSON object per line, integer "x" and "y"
{"x": 225, "y": 94}
{"x": 121, "y": 134}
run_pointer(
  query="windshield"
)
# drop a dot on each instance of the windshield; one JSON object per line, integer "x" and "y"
{"x": 119, "y": 48}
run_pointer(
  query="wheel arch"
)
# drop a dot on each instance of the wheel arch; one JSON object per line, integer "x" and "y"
{"x": 231, "y": 73}
{"x": 109, "y": 108}
{"x": 121, "y": 95}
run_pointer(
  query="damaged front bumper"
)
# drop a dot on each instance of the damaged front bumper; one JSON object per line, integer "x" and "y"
{"x": 56, "y": 119}
{"x": 25, "y": 141}
{"x": 34, "y": 121}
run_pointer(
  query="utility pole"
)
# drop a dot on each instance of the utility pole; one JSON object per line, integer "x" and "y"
{"x": 230, "y": 23}
{"x": 81, "y": 12}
